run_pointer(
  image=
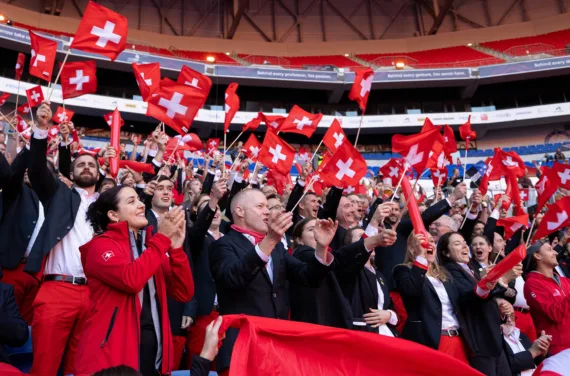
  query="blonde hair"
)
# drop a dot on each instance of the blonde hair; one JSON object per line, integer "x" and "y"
{"x": 434, "y": 270}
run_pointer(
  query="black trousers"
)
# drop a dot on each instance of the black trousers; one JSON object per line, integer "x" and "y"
{"x": 491, "y": 366}
{"x": 147, "y": 353}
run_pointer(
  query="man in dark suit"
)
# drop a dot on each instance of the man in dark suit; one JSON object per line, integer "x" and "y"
{"x": 522, "y": 354}
{"x": 13, "y": 327}
{"x": 251, "y": 267}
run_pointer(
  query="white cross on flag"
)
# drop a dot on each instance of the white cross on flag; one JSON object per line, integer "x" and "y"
{"x": 196, "y": 80}
{"x": 43, "y": 56}
{"x": 420, "y": 150}
{"x": 392, "y": 171}
{"x": 346, "y": 167}
{"x": 78, "y": 78}
{"x": 361, "y": 87}
{"x": 253, "y": 123}
{"x": 35, "y": 96}
{"x": 20, "y": 61}
{"x": 101, "y": 31}
{"x": 24, "y": 109}
{"x": 272, "y": 122}
{"x": 556, "y": 217}
{"x": 109, "y": 119}
{"x": 191, "y": 141}
{"x": 513, "y": 224}
{"x": 231, "y": 106}
{"x": 148, "y": 78}
{"x": 276, "y": 154}
{"x": 21, "y": 124}
{"x": 562, "y": 172}
{"x": 252, "y": 148}
{"x": 175, "y": 104}
{"x": 524, "y": 194}
{"x": 62, "y": 115}
{"x": 334, "y": 137}
{"x": 438, "y": 176}
{"x": 301, "y": 122}
{"x": 212, "y": 145}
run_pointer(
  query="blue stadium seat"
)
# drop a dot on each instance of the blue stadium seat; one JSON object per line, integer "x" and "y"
{"x": 22, "y": 357}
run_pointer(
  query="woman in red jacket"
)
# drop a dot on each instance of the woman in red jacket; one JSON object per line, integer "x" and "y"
{"x": 129, "y": 273}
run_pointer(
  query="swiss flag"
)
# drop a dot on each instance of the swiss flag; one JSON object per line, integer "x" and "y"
{"x": 301, "y": 121}
{"x": 276, "y": 154}
{"x": 449, "y": 145}
{"x": 357, "y": 189}
{"x": 563, "y": 173}
{"x": 22, "y": 125}
{"x": 148, "y": 78}
{"x": 109, "y": 119}
{"x": 191, "y": 141}
{"x": 420, "y": 150}
{"x": 438, "y": 176}
{"x": 93, "y": 152}
{"x": 175, "y": 104}
{"x": 524, "y": 194}
{"x": 196, "y": 80}
{"x": 3, "y": 98}
{"x": 35, "y": 96}
{"x": 24, "y": 109}
{"x": 361, "y": 87}
{"x": 53, "y": 132}
{"x": 101, "y": 31}
{"x": 428, "y": 126}
{"x": 43, "y": 56}
{"x": 212, "y": 145}
{"x": 137, "y": 166}
{"x": 252, "y": 147}
{"x": 546, "y": 186}
{"x": 20, "y": 61}
{"x": 273, "y": 122}
{"x": 466, "y": 132}
{"x": 253, "y": 123}
{"x": 392, "y": 171}
{"x": 78, "y": 78}
{"x": 231, "y": 106}
{"x": 513, "y": 224}
{"x": 556, "y": 217}
{"x": 509, "y": 162}
{"x": 334, "y": 137}
{"x": 303, "y": 156}
{"x": 175, "y": 144}
{"x": 62, "y": 115}
{"x": 346, "y": 167}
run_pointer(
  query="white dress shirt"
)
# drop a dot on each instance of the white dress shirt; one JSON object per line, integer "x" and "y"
{"x": 39, "y": 223}
{"x": 65, "y": 257}
{"x": 517, "y": 347}
{"x": 448, "y": 318}
{"x": 383, "y": 329}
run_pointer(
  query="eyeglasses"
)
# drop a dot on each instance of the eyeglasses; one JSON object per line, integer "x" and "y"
{"x": 277, "y": 207}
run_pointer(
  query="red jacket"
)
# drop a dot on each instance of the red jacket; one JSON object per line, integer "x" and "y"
{"x": 550, "y": 308}
{"x": 112, "y": 332}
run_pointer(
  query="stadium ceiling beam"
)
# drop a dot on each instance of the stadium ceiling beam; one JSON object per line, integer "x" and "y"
{"x": 164, "y": 19}
{"x": 427, "y": 7}
{"x": 524, "y": 10}
{"x": 243, "y": 4}
{"x": 487, "y": 12}
{"x": 322, "y": 17}
{"x": 403, "y": 7}
{"x": 509, "y": 9}
{"x": 346, "y": 20}
{"x": 257, "y": 28}
{"x": 370, "y": 19}
{"x": 294, "y": 15}
{"x": 300, "y": 20}
{"x": 440, "y": 17}
{"x": 202, "y": 19}
{"x": 466, "y": 20}
{"x": 75, "y": 6}
{"x": 561, "y": 6}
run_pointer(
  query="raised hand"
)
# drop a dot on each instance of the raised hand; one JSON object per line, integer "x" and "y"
{"x": 219, "y": 189}
{"x": 458, "y": 193}
{"x": 324, "y": 231}
{"x": 43, "y": 115}
{"x": 212, "y": 339}
{"x": 169, "y": 224}
{"x": 386, "y": 238}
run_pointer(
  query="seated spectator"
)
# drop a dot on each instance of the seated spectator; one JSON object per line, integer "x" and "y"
{"x": 559, "y": 156}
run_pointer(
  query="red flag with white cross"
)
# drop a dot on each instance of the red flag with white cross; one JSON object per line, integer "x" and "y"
{"x": 43, "y": 56}
{"x": 301, "y": 122}
{"x": 557, "y": 216}
{"x": 334, "y": 137}
{"x": 212, "y": 145}
{"x": 510, "y": 163}
{"x": 78, "y": 78}
{"x": 524, "y": 194}
{"x": 231, "y": 106}
{"x": 252, "y": 147}
{"x": 421, "y": 150}
{"x": 276, "y": 154}
{"x": 273, "y": 122}
{"x": 101, "y": 31}
{"x": 392, "y": 171}
{"x": 346, "y": 167}
{"x": 62, "y": 115}
{"x": 563, "y": 173}
{"x": 546, "y": 186}
{"x": 109, "y": 119}
{"x": 35, "y": 96}
{"x": 196, "y": 80}
{"x": 438, "y": 176}
{"x": 191, "y": 142}
{"x": 20, "y": 61}
{"x": 466, "y": 132}
{"x": 147, "y": 77}
{"x": 360, "y": 90}
{"x": 24, "y": 109}
{"x": 428, "y": 126}
{"x": 175, "y": 104}
{"x": 253, "y": 123}
{"x": 449, "y": 145}
{"x": 513, "y": 224}
{"x": 3, "y": 98}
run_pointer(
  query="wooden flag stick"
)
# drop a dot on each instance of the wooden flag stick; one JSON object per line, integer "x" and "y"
{"x": 224, "y": 143}
{"x": 465, "y": 159}
{"x": 17, "y": 96}
{"x": 399, "y": 183}
{"x": 315, "y": 153}
{"x": 58, "y": 74}
{"x": 358, "y": 132}
{"x": 233, "y": 142}
{"x": 530, "y": 231}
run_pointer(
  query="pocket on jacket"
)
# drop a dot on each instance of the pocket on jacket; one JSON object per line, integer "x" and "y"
{"x": 110, "y": 327}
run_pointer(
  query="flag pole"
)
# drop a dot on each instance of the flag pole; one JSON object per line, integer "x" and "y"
{"x": 234, "y": 141}
{"x": 18, "y": 96}
{"x": 10, "y": 123}
{"x": 315, "y": 153}
{"x": 399, "y": 183}
{"x": 309, "y": 186}
{"x": 58, "y": 74}
{"x": 225, "y": 143}
{"x": 530, "y": 231}
{"x": 358, "y": 132}
{"x": 465, "y": 158}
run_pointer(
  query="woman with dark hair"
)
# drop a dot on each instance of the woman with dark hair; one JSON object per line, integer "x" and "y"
{"x": 482, "y": 317}
{"x": 130, "y": 273}
{"x": 433, "y": 300}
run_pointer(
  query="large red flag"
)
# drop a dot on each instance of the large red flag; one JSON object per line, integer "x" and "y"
{"x": 466, "y": 132}
{"x": 510, "y": 163}
{"x": 273, "y": 122}
{"x": 197, "y": 80}
{"x": 546, "y": 186}
{"x": 334, "y": 137}
{"x": 147, "y": 77}
{"x": 252, "y": 147}
{"x": 428, "y": 126}
{"x": 20, "y": 65}
{"x": 513, "y": 224}
{"x": 563, "y": 173}
{"x": 360, "y": 90}
{"x": 288, "y": 348}
{"x": 557, "y": 216}
{"x": 346, "y": 167}
{"x": 276, "y": 154}
{"x": 450, "y": 145}
{"x": 78, "y": 78}
{"x": 101, "y": 31}
{"x": 301, "y": 122}
{"x": 43, "y": 56}
{"x": 253, "y": 123}
{"x": 190, "y": 142}
{"x": 231, "y": 106}
{"x": 421, "y": 150}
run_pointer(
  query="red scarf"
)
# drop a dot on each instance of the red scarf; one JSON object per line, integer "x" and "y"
{"x": 257, "y": 236}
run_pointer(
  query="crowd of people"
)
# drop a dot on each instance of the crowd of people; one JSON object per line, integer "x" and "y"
{"x": 134, "y": 274}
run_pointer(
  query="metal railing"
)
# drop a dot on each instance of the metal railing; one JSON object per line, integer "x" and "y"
{"x": 529, "y": 49}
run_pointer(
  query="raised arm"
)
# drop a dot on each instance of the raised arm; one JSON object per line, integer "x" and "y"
{"x": 5, "y": 172}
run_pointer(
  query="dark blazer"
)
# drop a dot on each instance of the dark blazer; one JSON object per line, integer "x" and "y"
{"x": 13, "y": 328}
{"x": 477, "y": 269}
{"x": 423, "y": 306}
{"x": 523, "y": 360}
{"x": 295, "y": 195}
{"x": 327, "y": 305}
{"x": 19, "y": 212}
{"x": 243, "y": 284}
{"x": 60, "y": 202}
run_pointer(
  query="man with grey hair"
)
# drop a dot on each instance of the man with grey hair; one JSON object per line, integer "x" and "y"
{"x": 442, "y": 226}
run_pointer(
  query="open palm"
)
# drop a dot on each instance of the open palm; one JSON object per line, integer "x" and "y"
{"x": 324, "y": 231}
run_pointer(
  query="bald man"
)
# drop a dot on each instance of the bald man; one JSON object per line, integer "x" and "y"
{"x": 251, "y": 267}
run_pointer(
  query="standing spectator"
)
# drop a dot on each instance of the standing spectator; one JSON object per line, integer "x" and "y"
{"x": 559, "y": 156}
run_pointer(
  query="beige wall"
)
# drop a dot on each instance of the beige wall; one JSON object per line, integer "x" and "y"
{"x": 529, "y": 28}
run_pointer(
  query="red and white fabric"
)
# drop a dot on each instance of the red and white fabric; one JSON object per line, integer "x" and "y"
{"x": 212, "y": 145}
{"x": 273, "y": 122}
{"x": 557, "y": 216}
{"x": 20, "y": 61}
{"x": 4, "y": 98}
{"x": 346, "y": 167}
{"x": 35, "y": 96}
{"x": 392, "y": 171}
{"x": 301, "y": 122}
{"x": 196, "y": 80}
{"x": 252, "y": 147}
{"x": 43, "y": 56}
{"x": 24, "y": 109}
{"x": 231, "y": 105}
{"x": 62, "y": 115}
{"x": 513, "y": 224}
{"x": 334, "y": 137}
{"x": 360, "y": 90}
{"x": 276, "y": 154}
{"x": 78, "y": 78}
{"x": 420, "y": 150}
{"x": 147, "y": 77}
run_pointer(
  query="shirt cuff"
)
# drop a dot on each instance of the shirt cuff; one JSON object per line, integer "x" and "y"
{"x": 472, "y": 216}
{"x": 328, "y": 261}
{"x": 495, "y": 214}
{"x": 66, "y": 144}
{"x": 152, "y": 153}
{"x": 156, "y": 163}
{"x": 261, "y": 255}
{"x": 140, "y": 185}
{"x": 102, "y": 172}
{"x": 238, "y": 179}
{"x": 393, "y": 318}
{"x": 301, "y": 182}
{"x": 449, "y": 202}
{"x": 40, "y": 134}
{"x": 481, "y": 292}
{"x": 421, "y": 262}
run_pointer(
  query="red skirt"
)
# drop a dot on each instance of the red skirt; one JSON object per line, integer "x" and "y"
{"x": 454, "y": 347}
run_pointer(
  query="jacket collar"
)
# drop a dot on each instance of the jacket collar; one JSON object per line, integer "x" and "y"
{"x": 120, "y": 231}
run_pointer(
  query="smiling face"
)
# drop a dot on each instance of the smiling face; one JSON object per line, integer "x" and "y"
{"x": 481, "y": 249}
{"x": 309, "y": 206}
{"x": 345, "y": 212}
{"x": 162, "y": 198}
{"x": 458, "y": 249}
{"x": 129, "y": 209}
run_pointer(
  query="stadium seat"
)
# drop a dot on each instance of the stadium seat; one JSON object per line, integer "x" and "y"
{"x": 531, "y": 45}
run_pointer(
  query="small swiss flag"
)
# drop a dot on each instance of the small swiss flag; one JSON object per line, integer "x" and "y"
{"x": 346, "y": 167}
{"x": 392, "y": 171}
{"x": 24, "y": 109}
{"x": 22, "y": 125}
{"x": 196, "y": 80}
{"x": 556, "y": 217}
{"x": 438, "y": 176}
{"x": 276, "y": 154}
{"x": 466, "y": 132}
{"x": 253, "y": 123}
{"x": 20, "y": 61}
{"x": 513, "y": 224}
{"x": 147, "y": 77}
{"x": 109, "y": 119}
{"x": 191, "y": 141}
{"x": 231, "y": 106}
{"x": 334, "y": 137}
{"x": 449, "y": 145}
{"x": 421, "y": 150}
{"x": 301, "y": 122}
{"x": 62, "y": 115}
{"x": 35, "y": 96}
{"x": 43, "y": 56}
{"x": 78, "y": 78}
{"x": 273, "y": 122}
{"x": 101, "y": 31}
{"x": 212, "y": 145}
{"x": 3, "y": 98}
{"x": 252, "y": 147}
{"x": 428, "y": 126}
{"x": 361, "y": 87}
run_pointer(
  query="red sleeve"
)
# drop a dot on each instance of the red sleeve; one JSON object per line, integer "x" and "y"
{"x": 107, "y": 263}
{"x": 540, "y": 299}
{"x": 178, "y": 276}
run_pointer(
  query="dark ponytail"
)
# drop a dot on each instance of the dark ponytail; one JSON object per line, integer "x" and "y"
{"x": 97, "y": 212}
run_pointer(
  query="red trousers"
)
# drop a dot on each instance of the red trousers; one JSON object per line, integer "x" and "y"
{"x": 524, "y": 322}
{"x": 178, "y": 342}
{"x": 60, "y": 313}
{"x": 197, "y": 335}
{"x": 454, "y": 347}
{"x": 25, "y": 289}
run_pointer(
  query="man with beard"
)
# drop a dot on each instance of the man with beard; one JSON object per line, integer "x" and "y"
{"x": 61, "y": 305}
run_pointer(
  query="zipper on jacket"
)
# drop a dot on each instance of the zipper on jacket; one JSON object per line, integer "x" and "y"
{"x": 110, "y": 328}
